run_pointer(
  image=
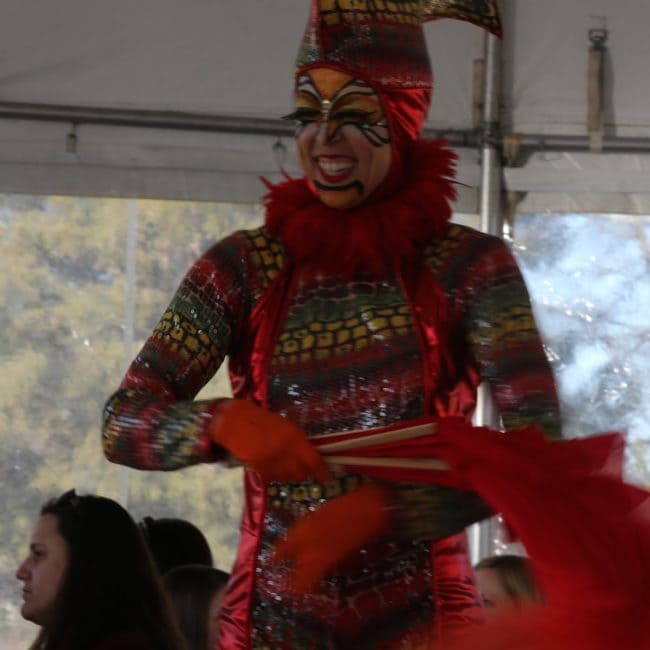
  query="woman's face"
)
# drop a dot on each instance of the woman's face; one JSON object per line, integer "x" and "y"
{"x": 496, "y": 600}
{"x": 342, "y": 140}
{"x": 43, "y": 570}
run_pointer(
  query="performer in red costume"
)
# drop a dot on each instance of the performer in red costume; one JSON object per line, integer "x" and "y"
{"x": 356, "y": 305}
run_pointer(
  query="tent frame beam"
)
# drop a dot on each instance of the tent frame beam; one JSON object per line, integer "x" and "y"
{"x": 189, "y": 121}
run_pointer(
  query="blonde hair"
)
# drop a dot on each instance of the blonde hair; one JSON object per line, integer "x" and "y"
{"x": 515, "y": 575}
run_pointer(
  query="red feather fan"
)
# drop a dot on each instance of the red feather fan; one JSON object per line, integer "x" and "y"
{"x": 587, "y": 531}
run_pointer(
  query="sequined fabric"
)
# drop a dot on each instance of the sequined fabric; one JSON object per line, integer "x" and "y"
{"x": 380, "y": 595}
{"x": 331, "y": 325}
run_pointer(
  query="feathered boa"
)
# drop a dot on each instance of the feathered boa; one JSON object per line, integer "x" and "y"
{"x": 376, "y": 236}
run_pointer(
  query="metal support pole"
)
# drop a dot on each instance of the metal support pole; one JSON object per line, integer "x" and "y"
{"x": 491, "y": 182}
{"x": 491, "y": 178}
{"x": 482, "y": 536}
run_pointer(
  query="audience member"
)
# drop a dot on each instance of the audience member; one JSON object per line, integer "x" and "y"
{"x": 90, "y": 583}
{"x": 197, "y": 593}
{"x": 505, "y": 583}
{"x": 175, "y": 542}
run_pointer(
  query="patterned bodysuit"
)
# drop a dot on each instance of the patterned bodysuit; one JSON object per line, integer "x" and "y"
{"x": 336, "y": 355}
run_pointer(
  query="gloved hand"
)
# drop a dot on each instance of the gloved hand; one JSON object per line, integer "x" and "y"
{"x": 267, "y": 443}
{"x": 324, "y": 538}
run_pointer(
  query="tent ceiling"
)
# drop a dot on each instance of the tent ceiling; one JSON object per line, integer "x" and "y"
{"x": 234, "y": 59}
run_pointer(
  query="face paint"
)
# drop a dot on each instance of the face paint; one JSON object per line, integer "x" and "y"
{"x": 342, "y": 137}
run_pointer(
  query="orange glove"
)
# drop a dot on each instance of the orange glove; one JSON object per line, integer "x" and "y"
{"x": 267, "y": 443}
{"x": 324, "y": 538}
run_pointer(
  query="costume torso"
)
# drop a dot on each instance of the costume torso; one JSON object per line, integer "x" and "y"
{"x": 348, "y": 356}
{"x": 335, "y": 355}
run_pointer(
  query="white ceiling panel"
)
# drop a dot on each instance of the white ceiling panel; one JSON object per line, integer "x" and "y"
{"x": 234, "y": 58}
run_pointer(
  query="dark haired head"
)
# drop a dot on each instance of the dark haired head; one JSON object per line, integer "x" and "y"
{"x": 175, "y": 542}
{"x": 111, "y": 587}
{"x": 192, "y": 589}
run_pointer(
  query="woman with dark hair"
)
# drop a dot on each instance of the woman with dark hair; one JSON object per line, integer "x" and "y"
{"x": 90, "y": 583}
{"x": 175, "y": 542}
{"x": 197, "y": 593}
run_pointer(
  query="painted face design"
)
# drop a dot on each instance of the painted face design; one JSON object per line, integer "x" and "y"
{"x": 342, "y": 137}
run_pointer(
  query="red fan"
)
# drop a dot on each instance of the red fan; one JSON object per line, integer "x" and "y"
{"x": 587, "y": 531}
{"x": 400, "y": 452}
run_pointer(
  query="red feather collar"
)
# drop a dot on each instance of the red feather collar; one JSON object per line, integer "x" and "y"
{"x": 376, "y": 236}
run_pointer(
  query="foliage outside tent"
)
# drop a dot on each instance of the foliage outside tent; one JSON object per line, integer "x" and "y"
{"x": 64, "y": 291}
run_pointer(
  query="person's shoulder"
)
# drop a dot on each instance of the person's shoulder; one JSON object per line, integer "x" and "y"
{"x": 467, "y": 235}
{"x": 250, "y": 242}
{"x": 460, "y": 245}
{"x": 254, "y": 254}
{"x": 258, "y": 239}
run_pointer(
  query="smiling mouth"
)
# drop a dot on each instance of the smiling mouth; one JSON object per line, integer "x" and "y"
{"x": 334, "y": 169}
{"x": 357, "y": 185}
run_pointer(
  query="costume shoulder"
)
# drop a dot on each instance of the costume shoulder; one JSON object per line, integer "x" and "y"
{"x": 461, "y": 252}
{"x": 256, "y": 249}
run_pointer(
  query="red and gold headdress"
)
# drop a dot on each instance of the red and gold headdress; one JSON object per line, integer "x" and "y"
{"x": 382, "y": 41}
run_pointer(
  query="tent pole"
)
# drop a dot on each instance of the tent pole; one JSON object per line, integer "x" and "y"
{"x": 483, "y": 538}
{"x": 491, "y": 179}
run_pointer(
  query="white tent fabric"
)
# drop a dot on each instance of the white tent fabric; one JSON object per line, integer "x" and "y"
{"x": 234, "y": 58}
{"x": 545, "y": 54}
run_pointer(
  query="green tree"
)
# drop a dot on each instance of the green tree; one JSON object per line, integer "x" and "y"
{"x": 63, "y": 290}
